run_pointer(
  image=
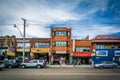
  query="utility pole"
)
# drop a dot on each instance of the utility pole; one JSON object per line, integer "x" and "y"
{"x": 24, "y": 30}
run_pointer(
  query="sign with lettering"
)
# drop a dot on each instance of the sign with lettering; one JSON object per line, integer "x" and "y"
{"x": 82, "y": 54}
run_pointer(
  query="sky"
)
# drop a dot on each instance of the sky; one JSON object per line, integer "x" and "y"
{"x": 85, "y": 17}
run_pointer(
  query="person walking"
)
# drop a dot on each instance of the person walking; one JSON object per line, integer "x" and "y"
{"x": 74, "y": 62}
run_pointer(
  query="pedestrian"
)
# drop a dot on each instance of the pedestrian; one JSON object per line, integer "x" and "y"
{"x": 74, "y": 62}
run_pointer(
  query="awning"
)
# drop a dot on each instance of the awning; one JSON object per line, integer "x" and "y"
{"x": 82, "y": 54}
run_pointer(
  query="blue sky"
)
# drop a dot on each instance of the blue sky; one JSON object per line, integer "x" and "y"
{"x": 85, "y": 17}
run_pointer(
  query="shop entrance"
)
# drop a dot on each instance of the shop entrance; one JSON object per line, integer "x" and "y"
{"x": 80, "y": 60}
{"x": 43, "y": 56}
{"x": 60, "y": 58}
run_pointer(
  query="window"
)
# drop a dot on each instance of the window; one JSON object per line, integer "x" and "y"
{"x": 20, "y": 45}
{"x": 2, "y": 44}
{"x": 82, "y": 49}
{"x": 41, "y": 45}
{"x": 61, "y": 33}
{"x": 119, "y": 46}
{"x": 61, "y": 43}
{"x": 112, "y": 46}
{"x": 100, "y": 47}
{"x": 101, "y": 53}
{"x": 117, "y": 53}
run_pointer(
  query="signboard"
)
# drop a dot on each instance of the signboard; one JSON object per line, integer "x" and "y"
{"x": 9, "y": 53}
{"x": 40, "y": 50}
{"x": 82, "y": 54}
{"x": 21, "y": 50}
{"x": 60, "y": 52}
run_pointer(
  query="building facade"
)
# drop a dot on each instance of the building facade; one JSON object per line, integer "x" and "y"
{"x": 7, "y": 47}
{"x": 82, "y": 51}
{"x": 19, "y": 47}
{"x": 106, "y": 48}
{"x": 40, "y": 48}
{"x": 60, "y": 45}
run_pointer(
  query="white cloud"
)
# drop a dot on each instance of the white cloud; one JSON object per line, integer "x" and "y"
{"x": 92, "y": 30}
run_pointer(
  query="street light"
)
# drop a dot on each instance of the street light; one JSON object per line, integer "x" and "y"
{"x": 23, "y": 36}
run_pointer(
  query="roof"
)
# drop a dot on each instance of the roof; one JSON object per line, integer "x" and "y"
{"x": 106, "y": 38}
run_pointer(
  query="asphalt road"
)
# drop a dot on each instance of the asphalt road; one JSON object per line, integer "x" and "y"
{"x": 60, "y": 74}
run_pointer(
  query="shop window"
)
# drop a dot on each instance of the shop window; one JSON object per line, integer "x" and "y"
{"x": 117, "y": 53}
{"x": 102, "y": 53}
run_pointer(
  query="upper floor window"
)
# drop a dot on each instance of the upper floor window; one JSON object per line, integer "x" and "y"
{"x": 61, "y": 43}
{"x": 20, "y": 45}
{"x": 119, "y": 46}
{"x": 82, "y": 49}
{"x": 60, "y": 33}
{"x": 100, "y": 47}
{"x": 41, "y": 45}
{"x": 2, "y": 44}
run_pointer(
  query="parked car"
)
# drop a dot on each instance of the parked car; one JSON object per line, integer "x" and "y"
{"x": 2, "y": 65}
{"x": 12, "y": 63}
{"x": 34, "y": 63}
{"x": 106, "y": 64}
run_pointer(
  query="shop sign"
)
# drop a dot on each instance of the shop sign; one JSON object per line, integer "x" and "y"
{"x": 82, "y": 54}
{"x": 21, "y": 50}
{"x": 9, "y": 53}
{"x": 60, "y": 52}
{"x": 40, "y": 50}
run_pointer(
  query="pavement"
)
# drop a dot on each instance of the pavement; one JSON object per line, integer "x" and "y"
{"x": 64, "y": 65}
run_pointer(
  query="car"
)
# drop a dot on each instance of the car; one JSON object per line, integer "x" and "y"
{"x": 34, "y": 63}
{"x": 2, "y": 65}
{"x": 106, "y": 64}
{"x": 12, "y": 63}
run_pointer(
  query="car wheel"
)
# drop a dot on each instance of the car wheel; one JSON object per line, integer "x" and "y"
{"x": 9, "y": 66}
{"x": 114, "y": 67}
{"x": 23, "y": 66}
{"x": 38, "y": 66}
{"x": 101, "y": 67}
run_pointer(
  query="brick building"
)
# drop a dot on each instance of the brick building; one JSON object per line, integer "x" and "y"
{"x": 60, "y": 45}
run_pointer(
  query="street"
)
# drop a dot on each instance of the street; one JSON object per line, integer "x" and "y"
{"x": 60, "y": 74}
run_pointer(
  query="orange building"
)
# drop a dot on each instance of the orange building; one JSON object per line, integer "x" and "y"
{"x": 82, "y": 51}
{"x": 60, "y": 45}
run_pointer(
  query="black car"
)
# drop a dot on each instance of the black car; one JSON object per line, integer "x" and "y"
{"x": 12, "y": 63}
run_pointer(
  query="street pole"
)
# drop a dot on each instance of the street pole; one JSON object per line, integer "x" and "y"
{"x": 24, "y": 20}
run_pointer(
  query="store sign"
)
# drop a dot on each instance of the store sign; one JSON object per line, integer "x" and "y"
{"x": 9, "y": 53}
{"x": 82, "y": 54}
{"x": 60, "y": 52}
{"x": 21, "y": 50}
{"x": 40, "y": 50}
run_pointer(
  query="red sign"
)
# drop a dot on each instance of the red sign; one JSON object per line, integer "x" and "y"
{"x": 82, "y": 54}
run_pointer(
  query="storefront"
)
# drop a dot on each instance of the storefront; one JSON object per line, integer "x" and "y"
{"x": 82, "y": 57}
{"x": 40, "y": 53}
{"x": 61, "y": 56}
{"x": 19, "y": 54}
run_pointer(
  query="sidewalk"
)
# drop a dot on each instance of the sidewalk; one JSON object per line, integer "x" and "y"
{"x": 69, "y": 65}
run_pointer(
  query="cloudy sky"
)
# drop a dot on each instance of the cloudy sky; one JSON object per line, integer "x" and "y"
{"x": 85, "y": 17}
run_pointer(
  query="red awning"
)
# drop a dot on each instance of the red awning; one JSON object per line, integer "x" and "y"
{"x": 82, "y": 54}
